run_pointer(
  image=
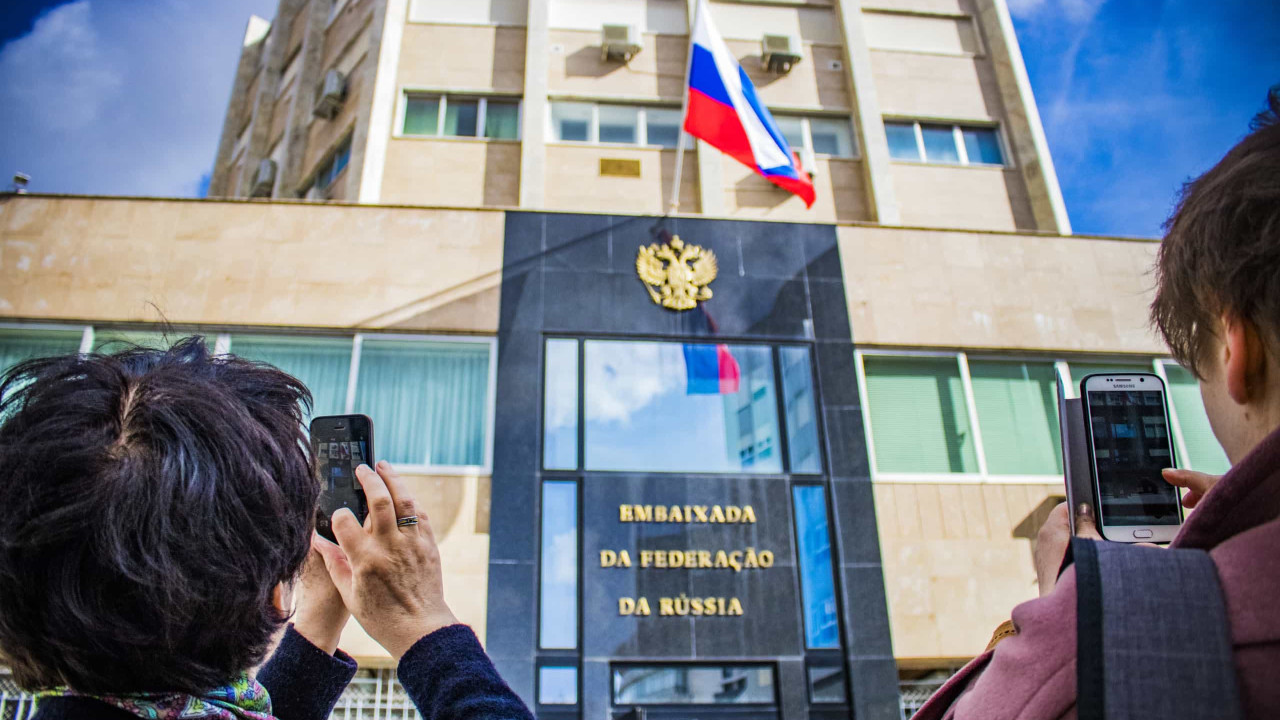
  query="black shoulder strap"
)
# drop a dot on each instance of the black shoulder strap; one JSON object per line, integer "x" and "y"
{"x": 1152, "y": 635}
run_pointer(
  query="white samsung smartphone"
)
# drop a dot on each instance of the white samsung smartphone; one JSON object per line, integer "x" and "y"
{"x": 1129, "y": 444}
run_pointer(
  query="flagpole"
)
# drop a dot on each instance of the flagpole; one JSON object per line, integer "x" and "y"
{"x": 684, "y": 111}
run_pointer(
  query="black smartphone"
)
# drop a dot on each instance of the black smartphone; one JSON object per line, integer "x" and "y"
{"x": 1129, "y": 444}
{"x": 340, "y": 444}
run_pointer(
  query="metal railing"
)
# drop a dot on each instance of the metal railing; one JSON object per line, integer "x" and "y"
{"x": 913, "y": 694}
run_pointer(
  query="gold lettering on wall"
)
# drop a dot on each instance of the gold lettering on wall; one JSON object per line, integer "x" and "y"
{"x": 682, "y": 606}
{"x": 726, "y": 514}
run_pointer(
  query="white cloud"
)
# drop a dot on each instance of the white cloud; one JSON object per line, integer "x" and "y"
{"x": 122, "y": 96}
{"x": 1075, "y": 11}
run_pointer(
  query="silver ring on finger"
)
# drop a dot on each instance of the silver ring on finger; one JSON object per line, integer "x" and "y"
{"x": 407, "y": 521}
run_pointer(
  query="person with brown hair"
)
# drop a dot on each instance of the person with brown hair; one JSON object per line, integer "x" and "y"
{"x": 1217, "y": 304}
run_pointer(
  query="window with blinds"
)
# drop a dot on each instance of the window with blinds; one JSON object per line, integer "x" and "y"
{"x": 1204, "y": 452}
{"x": 1017, "y": 405}
{"x": 17, "y": 345}
{"x": 919, "y": 417}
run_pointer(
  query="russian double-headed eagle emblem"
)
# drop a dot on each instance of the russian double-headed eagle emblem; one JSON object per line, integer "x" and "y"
{"x": 675, "y": 274}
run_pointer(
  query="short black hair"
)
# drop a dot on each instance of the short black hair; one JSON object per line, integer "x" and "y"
{"x": 1221, "y": 250}
{"x": 150, "y": 502}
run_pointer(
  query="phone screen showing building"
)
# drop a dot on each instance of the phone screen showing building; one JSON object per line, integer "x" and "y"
{"x": 1131, "y": 445}
{"x": 337, "y": 460}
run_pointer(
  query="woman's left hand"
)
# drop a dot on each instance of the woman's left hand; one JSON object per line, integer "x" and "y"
{"x": 320, "y": 614}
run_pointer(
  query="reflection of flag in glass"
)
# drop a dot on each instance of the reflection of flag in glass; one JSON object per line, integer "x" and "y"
{"x": 712, "y": 370}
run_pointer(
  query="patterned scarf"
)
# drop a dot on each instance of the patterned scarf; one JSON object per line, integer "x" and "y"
{"x": 243, "y": 699}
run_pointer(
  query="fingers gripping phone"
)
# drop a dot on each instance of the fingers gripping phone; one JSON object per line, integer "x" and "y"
{"x": 1129, "y": 444}
{"x": 340, "y": 444}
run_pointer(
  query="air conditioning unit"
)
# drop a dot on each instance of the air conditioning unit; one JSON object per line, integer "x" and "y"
{"x": 264, "y": 181}
{"x": 620, "y": 42}
{"x": 778, "y": 53}
{"x": 332, "y": 92}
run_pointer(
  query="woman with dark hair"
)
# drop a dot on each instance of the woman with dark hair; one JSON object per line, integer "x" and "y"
{"x": 157, "y": 512}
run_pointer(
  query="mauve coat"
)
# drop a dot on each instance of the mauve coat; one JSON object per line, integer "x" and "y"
{"x": 1032, "y": 676}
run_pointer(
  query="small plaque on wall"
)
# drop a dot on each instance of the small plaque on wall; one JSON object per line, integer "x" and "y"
{"x": 618, "y": 167}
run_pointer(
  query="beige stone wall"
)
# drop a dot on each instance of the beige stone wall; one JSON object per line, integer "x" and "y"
{"x": 939, "y": 7}
{"x": 459, "y": 172}
{"x": 297, "y": 30}
{"x": 576, "y": 68}
{"x": 819, "y": 80}
{"x": 351, "y": 21}
{"x": 839, "y": 186}
{"x": 921, "y": 85}
{"x": 458, "y": 510}
{"x": 957, "y": 559}
{"x": 953, "y": 196}
{"x": 574, "y": 181}
{"x": 249, "y": 263}
{"x": 462, "y": 57}
{"x": 280, "y": 117}
{"x": 1000, "y": 291}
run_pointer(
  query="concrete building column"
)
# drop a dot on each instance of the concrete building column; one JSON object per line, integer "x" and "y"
{"x": 223, "y": 183}
{"x": 533, "y": 121}
{"x": 867, "y": 117}
{"x": 710, "y": 160}
{"x": 386, "y": 35}
{"x": 1026, "y": 133}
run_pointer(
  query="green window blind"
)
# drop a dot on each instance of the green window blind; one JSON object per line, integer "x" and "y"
{"x": 322, "y": 364}
{"x": 918, "y": 416}
{"x": 1018, "y": 413}
{"x": 114, "y": 341}
{"x": 18, "y": 344}
{"x": 1206, "y": 454}
{"x": 428, "y": 400}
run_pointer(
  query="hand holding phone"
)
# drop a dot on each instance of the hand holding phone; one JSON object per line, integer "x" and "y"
{"x": 340, "y": 444}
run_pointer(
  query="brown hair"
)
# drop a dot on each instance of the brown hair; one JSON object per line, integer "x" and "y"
{"x": 1221, "y": 250}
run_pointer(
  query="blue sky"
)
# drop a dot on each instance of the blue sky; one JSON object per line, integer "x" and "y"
{"x": 126, "y": 97}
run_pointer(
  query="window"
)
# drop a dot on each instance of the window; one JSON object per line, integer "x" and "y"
{"x": 826, "y": 683}
{"x": 693, "y": 685}
{"x": 322, "y": 364}
{"x": 18, "y": 344}
{"x": 560, "y": 406}
{"x": 451, "y": 116}
{"x": 557, "y": 685}
{"x": 616, "y": 124}
{"x": 1202, "y": 451}
{"x": 919, "y": 415}
{"x": 921, "y": 411}
{"x": 802, "y": 424}
{"x": 817, "y": 581}
{"x": 832, "y": 136}
{"x": 558, "y": 603}
{"x": 721, "y": 396}
{"x": 329, "y": 170}
{"x": 943, "y": 144}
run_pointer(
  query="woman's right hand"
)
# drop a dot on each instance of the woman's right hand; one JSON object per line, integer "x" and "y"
{"x": 389, "y": 576}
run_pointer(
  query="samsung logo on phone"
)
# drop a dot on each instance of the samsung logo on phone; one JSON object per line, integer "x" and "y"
{"x": 1118, "y": 386}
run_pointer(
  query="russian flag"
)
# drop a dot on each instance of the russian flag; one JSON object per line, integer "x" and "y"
{"x": 711, "y": 370}
{"x": 723, "y": 110}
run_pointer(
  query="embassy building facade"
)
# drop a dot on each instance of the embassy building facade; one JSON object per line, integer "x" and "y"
{"x": 745, "y": 460}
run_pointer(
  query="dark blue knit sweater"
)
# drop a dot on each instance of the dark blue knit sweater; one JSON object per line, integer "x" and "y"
{"x": 446, "y": 674}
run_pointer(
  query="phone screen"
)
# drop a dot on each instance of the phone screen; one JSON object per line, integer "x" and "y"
{"x": 1131, "y": 445}
{"x": 340, "y": 444}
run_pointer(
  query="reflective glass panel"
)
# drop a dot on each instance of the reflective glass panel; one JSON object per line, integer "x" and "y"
{"x": 322, "y": 364}
{"x": 502, "y": 119}
{"x": 1205, "y": 453}
{"x": 560, "y": 406}
{"x": 802, "y": 423}
{"x": 831, "y": 136}
{"x": 982, "y": 146}
{"x": 817, "y": 582}
{"x": 460, "y": 117}
{"x": 1018, "y": 412}
{"x": 571, "y": 122}
{"x": 619, "y": 124}
{"x": 693, "y": 685}
{"x": 558, "y": 607}
{"x": 662, "y": 127}
{"x": 919, "y": 420}
{"x": 428, "y": 399}
{"x": 557, "y": 685}
{"x": 422, "y": 116}
{"x": 792, "y": 128}
{"x": 668, "y": 407}
{"x": 826, "y": 684}
{"x": 902, "y": 141}
{"x": 940, "y": 144}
